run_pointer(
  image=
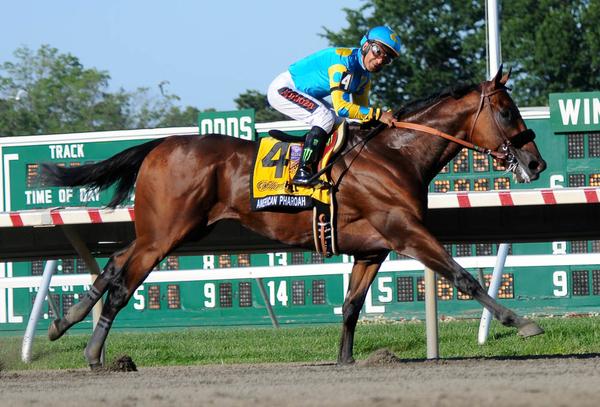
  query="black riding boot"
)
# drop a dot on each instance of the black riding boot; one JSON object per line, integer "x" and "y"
{"x": 313, "y": 146}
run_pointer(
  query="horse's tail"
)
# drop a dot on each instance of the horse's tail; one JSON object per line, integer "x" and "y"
{"x": 122, "y": 168}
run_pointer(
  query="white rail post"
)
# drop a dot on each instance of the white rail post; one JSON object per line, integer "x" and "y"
{"x": 486, "y": 316}
{"x": 36, "y": 310}
{"x": 431, "y": 315}
{"x": 493, "y": 37}
{"x": 494, "y": 61}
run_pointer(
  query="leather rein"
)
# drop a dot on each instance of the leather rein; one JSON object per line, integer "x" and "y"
{"x": 518, "y": 140}
{"x": 436, "y": 132}
{"x": 523, "y": 137}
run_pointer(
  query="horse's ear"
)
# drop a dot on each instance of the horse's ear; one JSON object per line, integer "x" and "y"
{"x": 500, "y": 80}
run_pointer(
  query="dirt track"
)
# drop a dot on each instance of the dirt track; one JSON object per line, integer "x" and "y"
{"x": 379, "y": 381}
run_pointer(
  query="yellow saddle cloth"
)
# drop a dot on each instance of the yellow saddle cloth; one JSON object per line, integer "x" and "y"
{"x": 276, "y": 164}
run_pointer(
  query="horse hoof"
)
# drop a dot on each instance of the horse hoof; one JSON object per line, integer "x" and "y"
{"x": 530, "y": 329}
{"x": 53, "y": 330}
{"x": 95, "y": 367}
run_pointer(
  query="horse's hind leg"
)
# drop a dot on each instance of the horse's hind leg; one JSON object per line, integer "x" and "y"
{"x": 363, "y": 274}
{"x": 82, "y": 308}
{"x": 171, "y": 200}
{"x": 152, "y": 245}
{"x": 125, "y": 281}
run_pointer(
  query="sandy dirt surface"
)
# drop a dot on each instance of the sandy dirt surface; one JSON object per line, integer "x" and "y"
{"x": 379, "y": 381}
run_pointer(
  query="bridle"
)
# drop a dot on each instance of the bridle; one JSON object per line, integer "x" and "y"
{"x": 517, "y": 141}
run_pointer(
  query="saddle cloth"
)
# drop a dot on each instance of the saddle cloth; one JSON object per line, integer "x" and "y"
{"x": 275, "y": 165}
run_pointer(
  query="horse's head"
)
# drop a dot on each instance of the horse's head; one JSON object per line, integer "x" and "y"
{"x": 498, "y": 125}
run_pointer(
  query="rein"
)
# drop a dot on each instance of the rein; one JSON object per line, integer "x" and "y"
{"x": 518, "y": 140}
{"x": 505, "y": 155}
{"x": 436, "y": 132}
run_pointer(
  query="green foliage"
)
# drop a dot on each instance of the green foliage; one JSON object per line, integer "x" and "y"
{"x": 177, "y": 117}
{"x": 253, "y": 99}
{"x": 443, "y": 43}
{"x": 46, "y": 92}
{"x": 564, "y": 336}
{"x": 552, "y": 46}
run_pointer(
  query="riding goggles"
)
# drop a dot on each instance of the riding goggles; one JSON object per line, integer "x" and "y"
{"x": 379, "y": 52}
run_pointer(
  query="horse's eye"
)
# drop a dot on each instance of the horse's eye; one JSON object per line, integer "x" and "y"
{"x": 505, "y": 114}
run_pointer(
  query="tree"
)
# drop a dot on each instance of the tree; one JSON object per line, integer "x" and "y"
{"x": 439, "y": 45}
{"x": 48, "y": 92}
{"x": 45, "y": 92}
{"x": 263, "y": 112}
{"x": 552, "y": 45}
{"x": 176, "y": 117}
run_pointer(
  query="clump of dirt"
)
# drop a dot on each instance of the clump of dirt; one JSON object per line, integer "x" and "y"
{"x": 123, "y": 363}
{"x": 380, "y": 357}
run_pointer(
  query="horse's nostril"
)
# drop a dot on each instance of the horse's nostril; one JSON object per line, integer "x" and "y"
{"x": 533, "y": 165}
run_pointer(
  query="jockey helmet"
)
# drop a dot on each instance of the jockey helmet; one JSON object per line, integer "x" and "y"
{"x": 382, "y": 35}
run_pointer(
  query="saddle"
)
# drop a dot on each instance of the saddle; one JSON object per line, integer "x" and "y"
{"x": 333, "y": 145}
{"x": 276, "y": 163}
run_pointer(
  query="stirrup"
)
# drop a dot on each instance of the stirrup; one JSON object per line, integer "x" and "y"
{"x": 303, "y": 178}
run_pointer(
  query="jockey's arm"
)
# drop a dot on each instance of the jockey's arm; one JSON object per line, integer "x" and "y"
{"x": 345, "y": 104}
{"x": 362, "y": 99}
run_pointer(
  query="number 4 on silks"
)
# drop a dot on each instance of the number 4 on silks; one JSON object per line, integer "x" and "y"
{"x": 279, "y": 163}
{"x": 345, "y": 81}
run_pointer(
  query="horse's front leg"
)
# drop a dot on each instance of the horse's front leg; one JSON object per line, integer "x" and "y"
{"x": 420, "y": 244}
{"x": 363, "y": 274}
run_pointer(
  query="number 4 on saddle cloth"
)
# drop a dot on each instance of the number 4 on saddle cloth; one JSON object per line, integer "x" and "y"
{"x": 276, "y": 163}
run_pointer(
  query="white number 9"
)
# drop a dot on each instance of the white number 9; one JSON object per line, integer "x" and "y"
{"x": 559, "y": 279}
{"x": 210, "y": 294}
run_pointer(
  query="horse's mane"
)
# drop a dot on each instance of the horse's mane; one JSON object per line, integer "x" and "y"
{"x": 456, "y": 92}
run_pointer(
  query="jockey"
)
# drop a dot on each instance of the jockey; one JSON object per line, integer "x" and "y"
{"x": 342, "y": 73}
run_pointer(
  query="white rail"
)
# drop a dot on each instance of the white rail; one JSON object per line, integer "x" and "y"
{"x": 234, "y": 273}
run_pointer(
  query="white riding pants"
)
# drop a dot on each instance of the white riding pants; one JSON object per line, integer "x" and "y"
{"x": 285, "y": 98}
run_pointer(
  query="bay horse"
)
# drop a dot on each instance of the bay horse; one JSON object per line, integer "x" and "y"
{"x": 183, "y": 184}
